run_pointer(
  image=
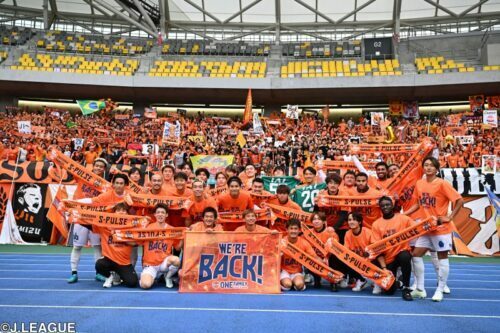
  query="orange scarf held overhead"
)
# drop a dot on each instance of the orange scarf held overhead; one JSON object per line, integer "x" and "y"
{"x": 314, "y": 265}
{"x": 108, "y": 220}
{"x": 78, "y": 171}
{"x": 325, "y": 200}
{"x": 384, "y": 148}
{"x": 405, "y": 235}
{"x": 348, "y": 165}
{"x": 150, "y": 201}
{"x": 382, "y": 278}
{"x": 137, "y": 235}
{"x": 230, "y": 217}
{"x": 288, "y": 213}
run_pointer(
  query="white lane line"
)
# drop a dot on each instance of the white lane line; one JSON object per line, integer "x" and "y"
{"x": 285, "y": 311}
{"x": 135, "y": 291}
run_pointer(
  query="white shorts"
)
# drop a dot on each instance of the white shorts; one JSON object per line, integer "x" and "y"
{"x": 153, "y": 271}
{"x": 436, "y": 243}
{"x": 82, "y": 235}
{"x": 285, "y": 275}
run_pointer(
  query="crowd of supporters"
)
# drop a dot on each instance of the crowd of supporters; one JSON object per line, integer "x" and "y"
{"x": 287, "y": 144}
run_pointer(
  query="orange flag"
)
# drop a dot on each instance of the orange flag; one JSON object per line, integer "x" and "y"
{"x": 247, "y": 115}
{"x": 57, "y": 217}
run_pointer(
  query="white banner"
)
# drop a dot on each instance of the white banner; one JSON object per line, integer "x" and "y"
{"x": 488, "y": 164}
{"x": 24, "y": 126}
{"x": 490, "y": 117}
{"x": 376, "y": 118}
{"x": 78, "y": 143}
{"x": 257, "y": 126}
{"x": 292, "y": 111}
{"x": 471, "y": 181}
{"x": 149, "y": 148}
{"x": 465, "y": 139}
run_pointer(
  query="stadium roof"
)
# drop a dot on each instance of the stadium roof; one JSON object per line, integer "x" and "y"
{"x": 256, "y": 19}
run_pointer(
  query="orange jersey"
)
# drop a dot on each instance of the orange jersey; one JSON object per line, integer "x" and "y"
{"x": 155, "y": 251}
{"x": 378, "y": 184}
{"x": 195, "y": 210}
{"x": 383, "y": 228}
{"x": 280, "y": 224}
{"x": 177, "y": 217}
{"x": 258, "y": 228}
{"x": 108, "y": 198}
{"x": 333, "y": 214}
{"x": 226, "y": 203}
{"x": 85, "y": 191}
{"x": 323, "y": 236}
{"x": 200, "y": 226}
{"x": 434, "y": 198}
{"x": 357, "y": 243}
{"x": 289, "y": 264}
{"x": 118, "y": 252}
{"x": 370, "y": 214}
{"x": 348, "y": 190}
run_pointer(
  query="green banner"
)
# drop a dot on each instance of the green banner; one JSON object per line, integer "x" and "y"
{"x": 304, "y": 196}
{"x": 272, "y": 183}
{"x": 90, "y": 106}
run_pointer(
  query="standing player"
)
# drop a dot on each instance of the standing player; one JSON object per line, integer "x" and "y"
{"x": 291, "y": 271}
{"x": 199, "y": 201}
{"x": 305, "y": 194}
{"x": 81, "y": 234}
{"x": 434, "y": 196}
{"x": 236, "y": 201}
{"x": 251, "y": 223}
{"x": 209, "y": 222}
{"x": 157, "y": 255}
{"x": 370, "y": 214}
{"x": 282, "y": 199}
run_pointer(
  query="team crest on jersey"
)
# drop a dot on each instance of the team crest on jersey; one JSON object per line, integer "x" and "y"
{"x": 231, "y": 268}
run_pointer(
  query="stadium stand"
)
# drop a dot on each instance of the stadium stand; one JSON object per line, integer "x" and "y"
{"x": 440, "y": 65}
{"x": 336, "y": 68}
{"x": 15, "y": 35}
{"x": 218, "y": 69}
{"x": 62, "y": 41}
{"x": 76, "y": 64}
{"x": 323, "y": 50}
{"x": 214, "y": 48}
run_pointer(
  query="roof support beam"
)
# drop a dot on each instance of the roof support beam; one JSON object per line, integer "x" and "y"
{"x": 396, "y": 15}
{"x": 388, "y": 24}
{"x": 164, "y": 16}
{"x": 91, "y": 4}
{"x": 471, "y": 8}
{"x": 242, "y": 10}
{"x": 444, "y": 9}
{"x": 203, "y": 11}
{"x": 125, "y": 17}
{"x": 277, "y": 8}
{"x": 300, "y": 2}
{"x": 247, "y": 33}
{"x": 80, "y": 24}
{"x": 145, "y": 15}
{"x": 346, "y": 16}
{"x": 192, "y": 31}
{"x": 307, "y": 33}
{"x": 45, "y": 7}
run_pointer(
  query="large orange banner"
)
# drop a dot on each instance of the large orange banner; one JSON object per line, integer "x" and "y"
{"x": 229, "y": 262}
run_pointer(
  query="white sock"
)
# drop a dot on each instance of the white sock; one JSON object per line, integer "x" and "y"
{"x": 97, "y": 252}
{"x": 413, "y": 271}
{"x": 444, "y": 271}
{"x": 435, "y": 262}
{"x": 171, "y": 271}
{"x": 76, "y": 253}
{"x": 418, "y": 263}
{"x": 133, "y": 256}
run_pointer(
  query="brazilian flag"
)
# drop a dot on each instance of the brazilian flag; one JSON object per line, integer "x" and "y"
{"x": 91, "y": 106}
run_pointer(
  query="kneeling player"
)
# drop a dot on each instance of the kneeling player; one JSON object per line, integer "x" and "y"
{"x": 116, "y": 255}
{"x": 157, "y": 255}
{"x": 291, "y": 271}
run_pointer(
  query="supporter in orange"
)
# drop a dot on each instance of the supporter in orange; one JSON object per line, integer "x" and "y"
{"x": 40, "y": 153}
{"x": 248, "y": 176}
{"x": 199, "y": 202}
{"x": 348, "y": 186}
{"x": 382, "y": 180}
{"x": 452, "y": 160}
{"x": 356, "y": 240}
{"x": 202, "y": 174}
{"x": 168, "y": 176}
{"x": 209, "y": 222}
{"x": 236, "y": 201}
{"x": 91, "y": 154}
{"x": 291, "y": 271}
{"x": 177, "y": 217}
{"x": 116, "y": 256}
{"x": 157, "y": 185}
{"x": 434, "y": 196}
{"x": 397, "y": 257}
{"x": 251, "y": 223}
{"x": 393, "y": 170}
{"x": 335, "y": 216}
{"x": 259, "y": 195}
{"x": 157, "y": 255}
{"x": 282, "y": 199}
{"x": 370, "y": 214}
